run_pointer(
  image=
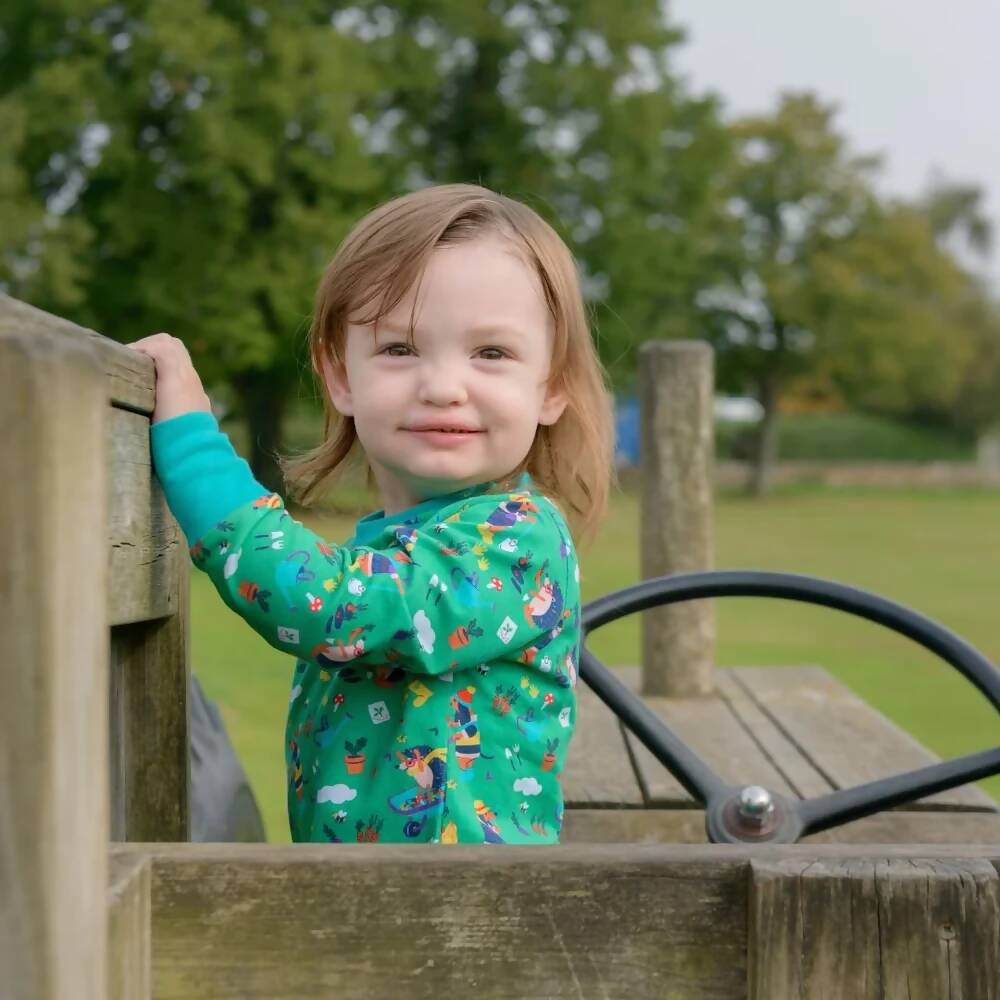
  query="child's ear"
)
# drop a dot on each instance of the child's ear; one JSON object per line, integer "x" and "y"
{"x": 337, "y": 386}
{"x": 553, "y": 406}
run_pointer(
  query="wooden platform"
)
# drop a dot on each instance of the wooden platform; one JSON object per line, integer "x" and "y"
{"x": 795, "y": 730}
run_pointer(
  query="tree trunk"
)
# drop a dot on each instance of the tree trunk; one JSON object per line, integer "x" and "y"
{"x": 263, "y": 401}
{"x": 765, "y": 440}
{"x": 988, "y": 451}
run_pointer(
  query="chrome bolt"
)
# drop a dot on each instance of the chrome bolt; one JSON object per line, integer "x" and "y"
{"x": 755, "y": 804}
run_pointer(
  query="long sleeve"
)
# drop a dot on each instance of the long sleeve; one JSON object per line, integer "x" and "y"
{"x": 482, "y": 579}
{"x": 202, "y": 477}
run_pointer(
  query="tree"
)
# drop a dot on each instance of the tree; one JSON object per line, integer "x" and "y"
{"x": 190, "y": 167}
{"x": 826, "y": 280}
{"x": 955, "y": 209}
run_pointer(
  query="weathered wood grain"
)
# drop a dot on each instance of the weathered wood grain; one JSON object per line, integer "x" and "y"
{"x": 129, "y": 376}
{"x": 148, "y": 548}
{"x": 713, "y": 729}
{"x": 874, "y": 929}
{"x": 598, "y": 771}
{"x": 389, "y": 922}
{"x": 676, "y": 389}
{"x": 129, "y": 928}
{"x": 150, "y": 720}
{"x": 844, "y": 738}
{"x": 53, "y": 668}
{"x": 800, "y": 774}
{"x": 687, "y": 826}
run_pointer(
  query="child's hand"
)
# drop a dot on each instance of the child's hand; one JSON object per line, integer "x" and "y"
{"x": 178, "y": 387}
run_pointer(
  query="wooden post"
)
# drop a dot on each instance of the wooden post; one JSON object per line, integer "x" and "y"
{"x": 676, "y": 398}
{"x": 53, "y": 668}
{"x": 874, "y": 929}
{"x": 150, "y": 715}
{"x": 144, "y": 575}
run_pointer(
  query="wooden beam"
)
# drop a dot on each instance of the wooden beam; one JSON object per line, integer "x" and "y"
{"x": 874, "y": 929}
{"x": 687, "y": 826}
{"x": 128, "y": 375}
{"x": 234, "y": 920}
{"x": 150, "y": 718}
{"x": 129, "y": 938}
{"x": 148, "y": 549}
{"x": 389, "y": 922}
{"x": 53, "y": 666}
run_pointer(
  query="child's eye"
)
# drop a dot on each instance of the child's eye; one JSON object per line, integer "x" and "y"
{"x": 496, "y": 351}
{"x": 391, "y": 347}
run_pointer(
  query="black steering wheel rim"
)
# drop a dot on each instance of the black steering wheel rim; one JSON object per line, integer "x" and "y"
{"x": 789, "y": 819}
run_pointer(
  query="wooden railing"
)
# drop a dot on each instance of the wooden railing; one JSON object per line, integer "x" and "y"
{"x": 93, "y": 641}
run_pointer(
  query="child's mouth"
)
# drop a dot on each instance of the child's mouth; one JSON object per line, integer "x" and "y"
{"x": 436, "y": 435}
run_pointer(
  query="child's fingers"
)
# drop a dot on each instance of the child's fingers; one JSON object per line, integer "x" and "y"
{"x": 162, "y": 347}
{"x": 158, "y": 340}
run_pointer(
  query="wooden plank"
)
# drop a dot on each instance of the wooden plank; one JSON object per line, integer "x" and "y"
{"x": 687, "y": 826}
{"x": 802, "y": 777}
{"x": 129, "y": 915}
{"x": 713, "y": 730}
{"x": 53, "y": 668}
{"x": 147, "y": 546}
{"x": 846, "y": 739}
{"x": 283, "y": 921}
{"x": 130, "y": 376}
{"x": 150, "y": 723}
{"x": 874, "y": 929}
{"x": 721, "y": 855}
{"x": 599, "y": 771}
{"x": 633, "y": 826}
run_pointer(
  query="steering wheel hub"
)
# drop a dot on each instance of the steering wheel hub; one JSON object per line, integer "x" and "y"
{"x": 751, "y": 815}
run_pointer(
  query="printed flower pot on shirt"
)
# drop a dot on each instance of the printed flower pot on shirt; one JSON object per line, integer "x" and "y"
{"x": 355, "y": 759}
{"x": 549, "y": 757}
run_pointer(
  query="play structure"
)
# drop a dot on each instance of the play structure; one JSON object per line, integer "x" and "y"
{"x": 812, "y": 887}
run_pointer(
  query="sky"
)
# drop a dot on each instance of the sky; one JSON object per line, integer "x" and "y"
{"x": 917, "y": 80}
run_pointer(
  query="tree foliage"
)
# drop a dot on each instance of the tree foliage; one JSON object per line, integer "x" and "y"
{"x": 191, "y": 165}
{"x": 826, "y": 281}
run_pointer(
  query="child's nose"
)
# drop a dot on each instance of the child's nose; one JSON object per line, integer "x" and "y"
{"x": 442, "y": 383}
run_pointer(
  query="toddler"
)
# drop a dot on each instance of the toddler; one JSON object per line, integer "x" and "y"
{"x": 436, "y": 650}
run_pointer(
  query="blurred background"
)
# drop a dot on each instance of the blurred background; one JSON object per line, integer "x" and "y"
{"x": 813, "y": 188}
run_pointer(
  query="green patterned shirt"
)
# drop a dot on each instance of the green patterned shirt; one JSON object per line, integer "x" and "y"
{"x": 433, "y": 698}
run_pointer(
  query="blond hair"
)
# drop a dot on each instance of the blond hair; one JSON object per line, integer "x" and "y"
{"x": 380, "y": 260}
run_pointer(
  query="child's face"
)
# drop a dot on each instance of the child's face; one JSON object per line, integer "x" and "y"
{"x": 474, "y": 296}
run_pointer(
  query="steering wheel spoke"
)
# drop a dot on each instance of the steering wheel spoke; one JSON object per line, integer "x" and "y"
{"x": 752, "y": 814}
{"x": 661, "y": 741}
{"x": 848, "y": 804}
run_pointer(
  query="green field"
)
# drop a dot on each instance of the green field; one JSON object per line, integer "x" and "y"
{"x": 938, "y": 552}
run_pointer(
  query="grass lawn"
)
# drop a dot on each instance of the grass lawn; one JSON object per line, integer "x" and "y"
{"x": 938, "y": 552}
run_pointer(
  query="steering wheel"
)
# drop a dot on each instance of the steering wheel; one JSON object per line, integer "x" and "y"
{"x": 752, "y": 814}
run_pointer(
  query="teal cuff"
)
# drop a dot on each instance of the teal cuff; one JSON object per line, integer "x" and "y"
{"x": 202, "y": 477}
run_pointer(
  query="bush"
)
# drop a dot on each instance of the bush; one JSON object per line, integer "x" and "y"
{"x": 849, "y": 437}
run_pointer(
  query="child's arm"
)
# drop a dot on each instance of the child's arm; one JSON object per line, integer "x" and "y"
{"x": 448, "y": 596}
{"x": 201, "y": 475}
